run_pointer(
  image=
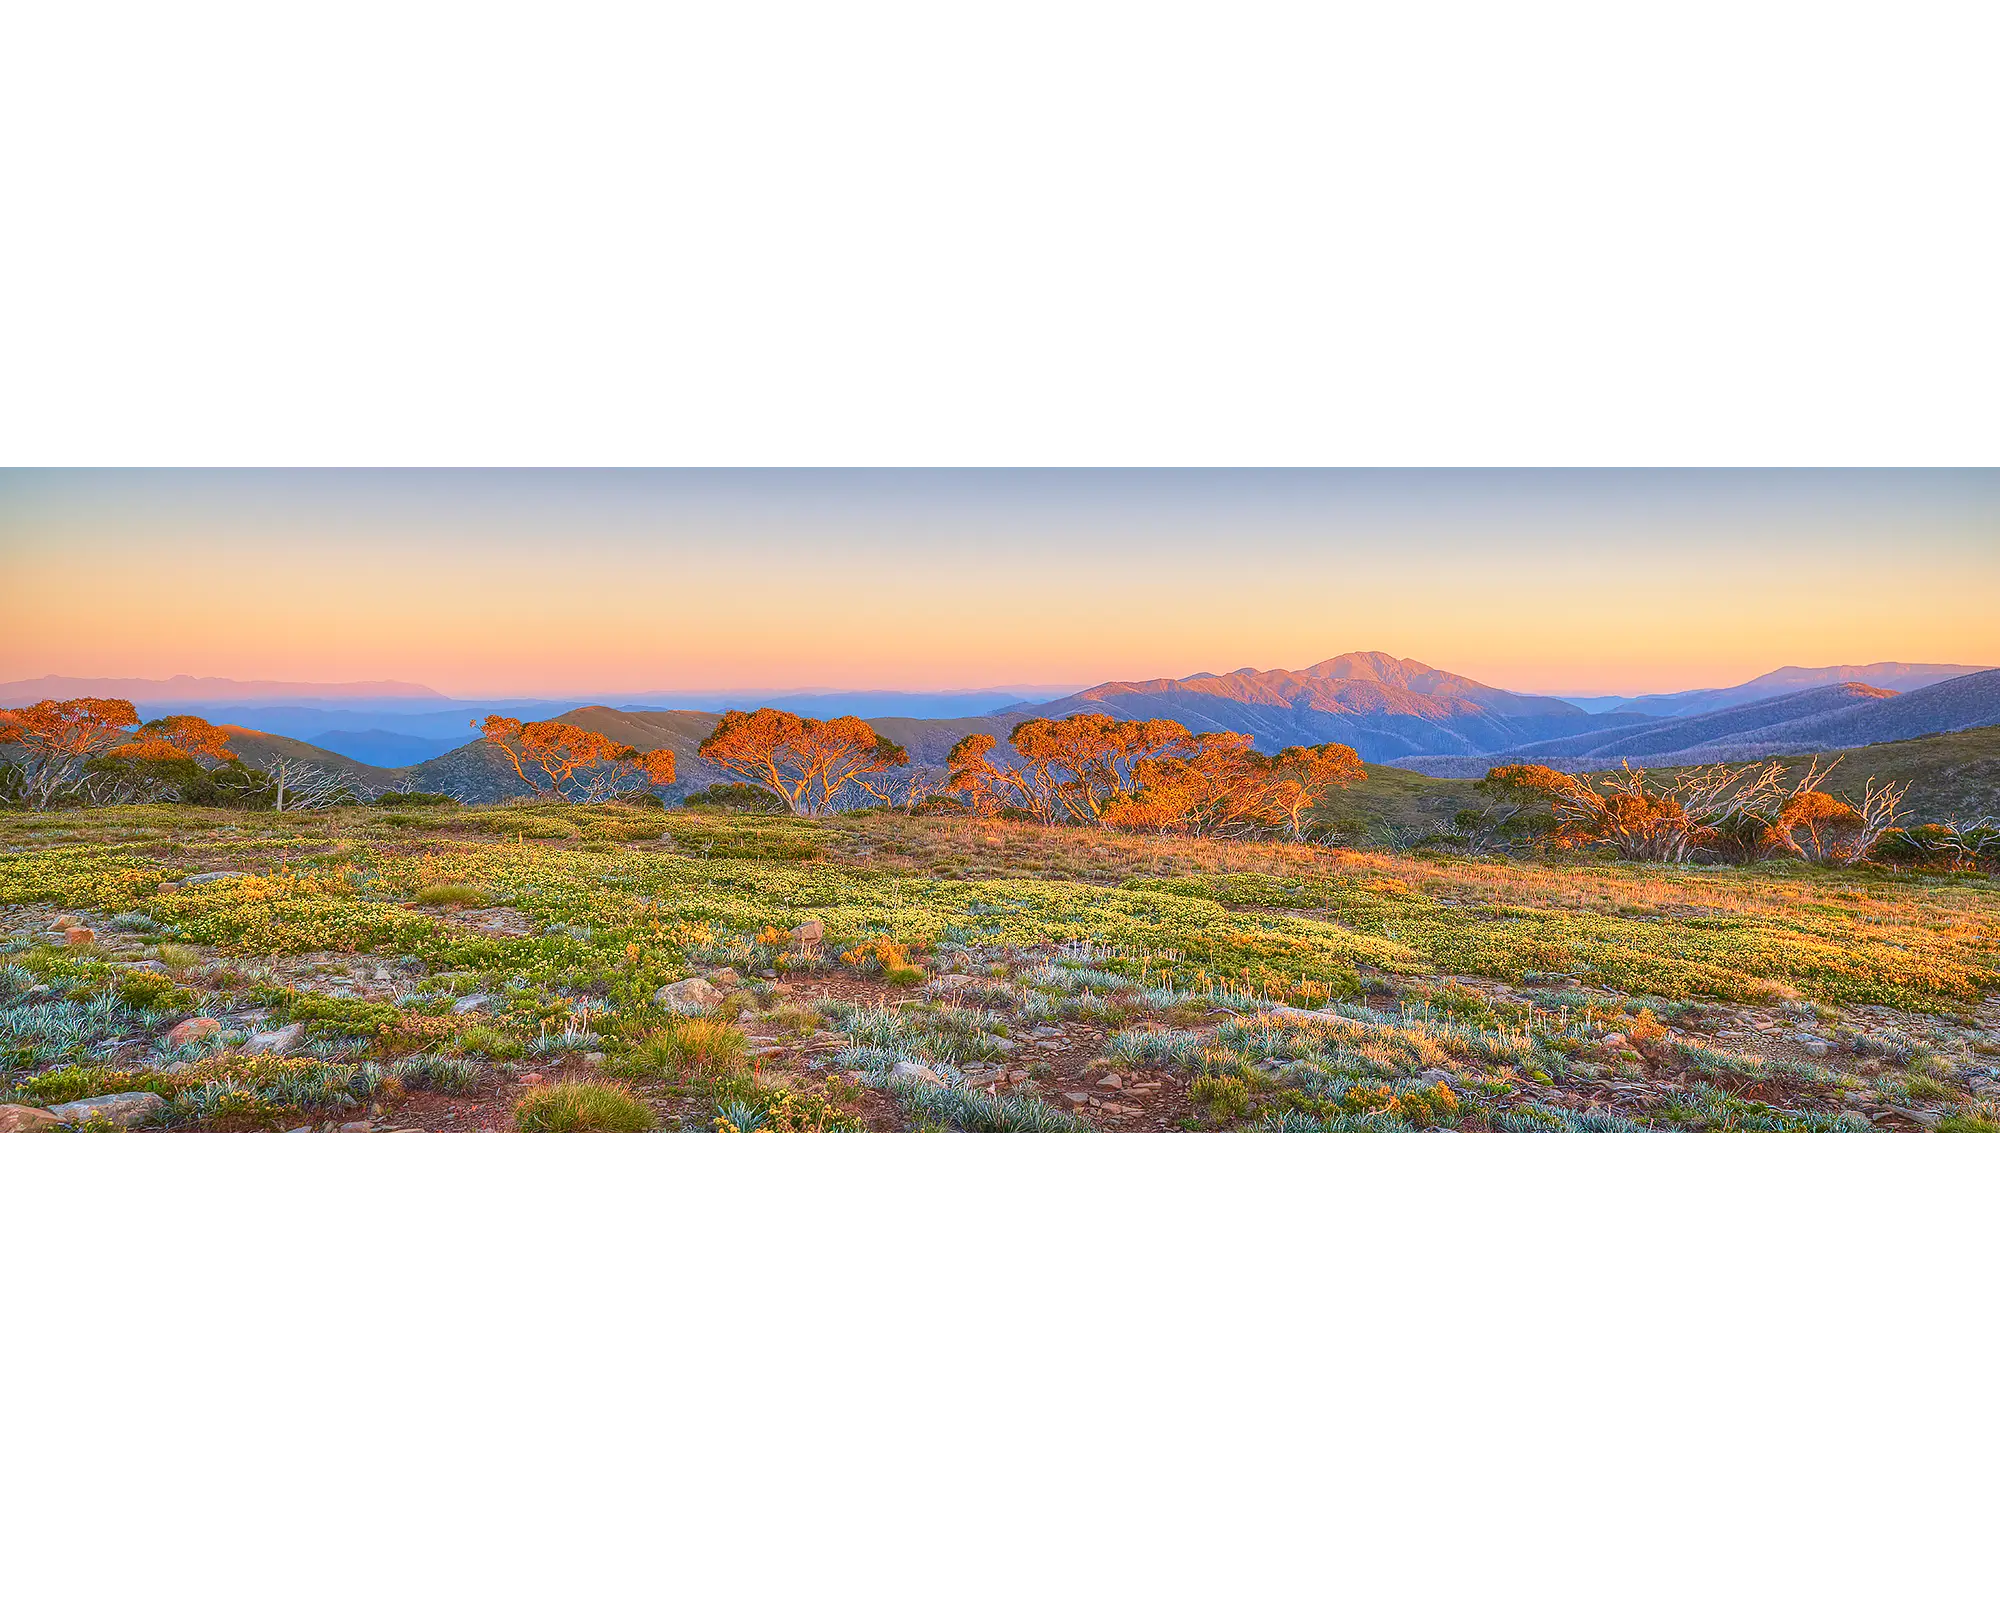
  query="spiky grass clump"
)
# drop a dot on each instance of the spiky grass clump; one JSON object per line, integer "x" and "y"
{"x": 443, "y": 1074}
{"x": 948, "y": 1105}
{"x": 1145, "y": 1047}
{"x": 688, "y": 1047}
{"x": 452, "y": 894}
{"x": 582, "y": 1107}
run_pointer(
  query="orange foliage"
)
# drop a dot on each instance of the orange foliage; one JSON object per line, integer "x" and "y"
{"x": 805, "y": 762}
{"x": 559, "y": 760}
{"x": 177, "y": 739}
{"x": 57, "y": 738}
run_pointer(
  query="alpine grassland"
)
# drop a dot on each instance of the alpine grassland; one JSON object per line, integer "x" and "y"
{"x": 458, "y": 966}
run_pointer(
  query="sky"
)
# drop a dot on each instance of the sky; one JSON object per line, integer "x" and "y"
{"x": 554, "y": 583}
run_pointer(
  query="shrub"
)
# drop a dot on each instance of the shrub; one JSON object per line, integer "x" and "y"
{"x": 1225, "y": 1099}
{"x": 481, "y": 1040}
{"x": 582, "y": 1107}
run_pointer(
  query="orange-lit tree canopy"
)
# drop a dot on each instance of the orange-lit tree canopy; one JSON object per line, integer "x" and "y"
{"x": 52, "y": 741}
{"x": 179, "y": 738}
{"x": 561, "y": 761}
{"x": 805, "y": 762}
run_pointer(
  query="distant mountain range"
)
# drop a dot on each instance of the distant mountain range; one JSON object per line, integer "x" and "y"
{"x": 1837, "y": 717}
{"x": 1384, "y": 706}
{"x": 181, "y": 691}
{"x": 1897, "y": 675}
{"x": 1392, "y": 710}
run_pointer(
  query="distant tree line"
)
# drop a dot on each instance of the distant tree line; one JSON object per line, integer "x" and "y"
{"x": 1086, "y": 770}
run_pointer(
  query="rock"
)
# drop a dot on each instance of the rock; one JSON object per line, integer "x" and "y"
{"x": 214, "y": 877}
{"x": 530, "y": 1077}
{"x": 148, "y": 966}
{"x": 724, "y": 978}
{"x": 185, "y": 1033}
{"x": 1613, "y": 1041}
{"x": 276, "y": 1041}
{"x": 808, "y": 933}
{"x": 952, "y": 980}
{"x": 475, "y": 1003}
{"x": 120, "y": 1110}
{"x": 64, "y": 923}
{"x": 1111, "y": 1080}
{"x": 688, "y": 994}
{"x": 594, "y": 1057}
{"x": 1076, "y": 1096}
{"x": 79, "y": 936}
{"x": 27, "y": 1119}
{"x": 913, "y": 1072}
{"x": 357, "y": 1127}
{"x": 305, "y": 1127}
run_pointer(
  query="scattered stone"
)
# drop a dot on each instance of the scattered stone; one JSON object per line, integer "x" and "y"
{"x": 808, "y": 934}
{"x": 304, "y": 1127}
{"x": 79, "y": 936}
{"x": 27, "y": 1119}
{"x": 475, "y": 1003}
{"x": 64, "y": 923}
{"x": 952, "y": 980}
{"x": 531, "y": 1077}
{"x": 276, "y": 1041}
{"x": 913, "y": 1072}
{"x": 594, "y": 1057}
{"x": 120, "y": 1110}
{"x": 1111, "y": 1080}
{"x": 214, "y": 877}
{"x": 357, "y": 1127}
{"x": 1612, "y": 1041}
{"x": 149, "y": 965}
{"x": 186, "y": 1033}
{"x": 1076, "y": 1097}
{"x": 724, "y": 978}
{"x": 688, "y": 994}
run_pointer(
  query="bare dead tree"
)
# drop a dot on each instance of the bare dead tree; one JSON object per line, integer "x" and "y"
{"x": 301, "y": 786}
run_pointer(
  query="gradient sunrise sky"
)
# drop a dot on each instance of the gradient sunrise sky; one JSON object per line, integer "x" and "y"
{"x": 554, "y": 583}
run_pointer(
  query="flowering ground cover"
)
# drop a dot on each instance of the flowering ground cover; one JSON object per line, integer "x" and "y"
{"x": 526, "y": 966}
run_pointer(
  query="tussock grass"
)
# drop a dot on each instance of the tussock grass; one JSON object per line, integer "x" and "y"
{"x": 451, "y": 894}
{"x": 582, "y": 1107}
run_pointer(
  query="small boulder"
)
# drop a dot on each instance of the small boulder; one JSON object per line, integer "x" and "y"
{"x": 724, "y": 978}
{"x": 120, "y": 1110}
{"x": 690, "y": 994}
{"x": 186, "y": 1033}
{"x": 27, "y": 1119}
{"x": 1111, "y": 1080}
{"x": 807, "y": 934}
{"x": 64, "y": 923}
{"x": 473, "y": 1003}
{"x": 276, "y": 1041}
{"x": 79, "y": 936}
{"x": 913, "y": 1072}
{"x": 1614, "y": 1041}
{"x": 214, "y": 877}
